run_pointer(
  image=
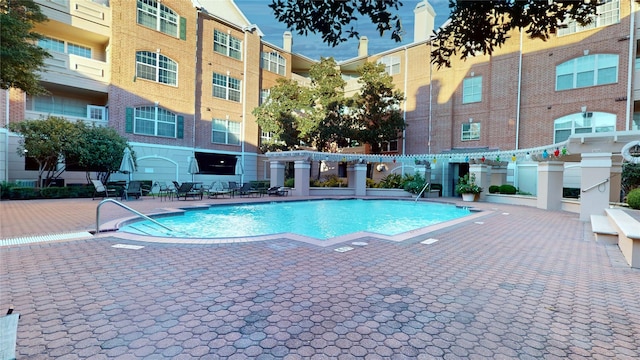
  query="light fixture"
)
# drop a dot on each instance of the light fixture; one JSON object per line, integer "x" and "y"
{"x": 470, "y": 120}
{"x": 584, "y": 110}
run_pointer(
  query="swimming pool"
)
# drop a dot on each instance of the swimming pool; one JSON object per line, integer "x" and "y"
{"x": 318, "y": 219}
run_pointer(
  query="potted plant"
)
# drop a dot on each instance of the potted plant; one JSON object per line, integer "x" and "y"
{"x": 467, "y": 187}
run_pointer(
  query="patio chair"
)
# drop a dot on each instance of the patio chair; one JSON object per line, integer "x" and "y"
{"x": 101, "y": 190}
{"x": 277, "y": 190}
{"x": 187, "y": 189}
{"x": 246, "y": 190}
{"x": 217, "y": 188}
{"x": 133, "y": 189}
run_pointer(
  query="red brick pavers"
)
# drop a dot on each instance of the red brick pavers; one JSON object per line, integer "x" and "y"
{"x": 517, "y": 283}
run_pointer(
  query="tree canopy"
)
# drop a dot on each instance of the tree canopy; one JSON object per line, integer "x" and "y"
{"x": 20, "y": 56}
{"x": 474, "y": 27}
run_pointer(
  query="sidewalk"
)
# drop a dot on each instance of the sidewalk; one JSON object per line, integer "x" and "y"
{"x": 518, "y": 282}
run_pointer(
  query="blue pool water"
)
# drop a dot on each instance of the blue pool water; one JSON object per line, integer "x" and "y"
{"x": 321, "y": 219}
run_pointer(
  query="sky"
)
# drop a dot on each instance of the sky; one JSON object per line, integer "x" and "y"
{"x": 259, "y": 13}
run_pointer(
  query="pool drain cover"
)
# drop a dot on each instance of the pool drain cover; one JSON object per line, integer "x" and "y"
{"x": 127, "y": 246}
{"x": 344, "y": 249}
{"x": 429, "y": 241}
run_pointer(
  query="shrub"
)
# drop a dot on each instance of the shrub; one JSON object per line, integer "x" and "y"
{"x": 413, "y": 183}
{"x": 508, "y": 189}
{"x": 328, "y": 181}
{"x": 494, "y": 189}
{"x": 467, "y": 185}
{"x": 289, "y": 182}
{"x": 54, "y": 192}
{"x": 371, "y": 183}
{"x": 23, "y": 193}
{"x": 391, "y": 181}
{"x": 633, "y": 199}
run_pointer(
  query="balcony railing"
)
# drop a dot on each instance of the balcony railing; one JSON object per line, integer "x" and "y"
{"x": 35, "y": 115}
{"x": 94, "y": 15}
{"x": 85, "y": 71}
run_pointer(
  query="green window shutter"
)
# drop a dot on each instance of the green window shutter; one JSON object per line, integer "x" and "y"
{"x": 183, "y": 28}
{"x": 180, "y": 133}
{"x": 128, "y": 125}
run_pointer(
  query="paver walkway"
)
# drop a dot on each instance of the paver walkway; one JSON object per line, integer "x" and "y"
{"x": 517, "y": 283}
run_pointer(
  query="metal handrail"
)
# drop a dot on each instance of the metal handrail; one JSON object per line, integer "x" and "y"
{"x": 126, "y": 208}
{"x": 596, "y": 185}
{"x": 423, "y": 189}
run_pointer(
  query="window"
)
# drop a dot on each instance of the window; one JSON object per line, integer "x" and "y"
{"x": 226, "y": 87}
{"x": 391, "y": 64}
{"x": 608, "y": 12}
{"x": 227, "y": 45}
{"x": 61, "y": 46}
{"x": 587, "y": 71}
{"x": 58, "y": 105}
{"x": 156, "y": 67}
{"x": 157, "y": 16}
{"x": 274, "y": 62}
{"x": 583, "y": 123}
{"x": 225, "y": 132}
{"x": 470, "y": 131}
{"x": 153, "y": 120}
{"x": 472, "y": 90}
{"x": 264, "y": 95}
{"x": 216, "y": 164}
{"x": 389, "y": 146}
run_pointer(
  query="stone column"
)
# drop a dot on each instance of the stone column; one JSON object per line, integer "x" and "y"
{"x": 301, "y": 170}
{"x": 482, "y": 173}
{"x": 277, "y": 173}
{"x": 549, "y": 191}
{"x": 616, "y": 179}
{"x": 357, "y": 178}
{"x": 594, "y": 189}
{"x": 498, "y": 176}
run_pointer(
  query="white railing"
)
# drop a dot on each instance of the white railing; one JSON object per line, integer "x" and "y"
{"x": 35, "y": 115}
{"x": 78, "y": 66}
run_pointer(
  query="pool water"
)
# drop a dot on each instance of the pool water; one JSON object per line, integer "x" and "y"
{"x": 320, "y": 219}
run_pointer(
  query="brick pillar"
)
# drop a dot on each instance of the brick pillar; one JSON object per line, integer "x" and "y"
{"x": 594, "y": 192}
{"x": 301, "y": 170}
{"x": 357, "y": 178}
{"x": 549, "y": 192}
{"x": 277, "y": 173}
{"x": 483, "y": 177}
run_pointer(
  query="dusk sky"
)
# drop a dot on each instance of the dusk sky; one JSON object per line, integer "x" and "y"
{"x": 258, "y": 12}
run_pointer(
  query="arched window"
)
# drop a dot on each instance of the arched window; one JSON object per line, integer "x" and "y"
{"x": 587, "y": 71}
{"x": 157, "y": 16}
{"x": 583, "y": 123}
{"x": 156, "y": 67}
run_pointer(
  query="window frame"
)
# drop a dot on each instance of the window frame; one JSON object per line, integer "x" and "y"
{"x": 228, "y": 131}
{"x": 472, "y": 131}
{"x": 157, "y": 121}
{"x": 231, "y": 86}
{"x": 231, "y": 46}
{"x": 162, "y": 14}
{"x": 472, "y": 90}
{"x": 392, "y": 64}
{"x": 598, "y": 64}
{"x": 607, "y": 13}
{"x": 158, "y": 70}
{"x": 583, "y": 123}
{"x": 273, "y": 62}
{"x": 66, "y": 45}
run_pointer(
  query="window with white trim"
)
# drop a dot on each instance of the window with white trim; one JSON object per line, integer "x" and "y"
{"x": 583, "y": 123}
{"x": 226, "y": 87}
{"x": 157, "y": 16}
{"x": 607, "y": 13}
{"x": 226, "y": 44}
{"x": 156, "y": 67}
{"x": 470, "y": 131}
{"x": 472, "y": 90}
{"x": 274, "y": 62}
{"x": 64, "y": 47}
{"x": 264, "y": 95}
{"x": 391, "y": 64}
{"x": 153, "y": 120}
{"x": 225, "y": 132}
{"x": 585, "y": 71}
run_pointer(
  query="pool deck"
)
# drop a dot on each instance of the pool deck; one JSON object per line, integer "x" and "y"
{"x": 515, "y": 282}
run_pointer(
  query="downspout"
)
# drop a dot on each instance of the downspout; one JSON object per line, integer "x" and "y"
{"x": 6, "y": 150}
{"x": 404, "y": 113}
{"x": 519, "y": 96}
{"x": 195, "y": 85}
{"x": 430, "y": 100}
{"x": 246, "y": 29}
{"x": 631, "y": 67}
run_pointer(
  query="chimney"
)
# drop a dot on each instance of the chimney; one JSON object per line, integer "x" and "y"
{"x": 424, "y": 20}
{"x": 287, "y": 41}
{"x": 363, "y": 46}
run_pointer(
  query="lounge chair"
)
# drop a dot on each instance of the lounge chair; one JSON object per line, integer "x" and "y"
{"x": 133, "y": 189}
{"x": 246, "y": 190}
{"x": 101, "y": 190}
{"x": 217, "y": 188}
{"x": 278, "y": 191}
{"x": 187, "y": 189}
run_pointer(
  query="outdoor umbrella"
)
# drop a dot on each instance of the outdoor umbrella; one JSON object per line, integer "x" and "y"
{"x": 127, "y": 166}
{"x": 193, "y": 167}
{"x": 239, "y": 168}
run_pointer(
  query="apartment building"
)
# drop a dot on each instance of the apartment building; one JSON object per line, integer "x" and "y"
{"x": 180, "y": 79}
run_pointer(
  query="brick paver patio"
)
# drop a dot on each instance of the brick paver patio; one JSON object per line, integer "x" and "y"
{"x": 516, "y": 283}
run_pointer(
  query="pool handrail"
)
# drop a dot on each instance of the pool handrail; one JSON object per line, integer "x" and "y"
{"x": 422, "y": 191}
{"x": 126, "y": 208}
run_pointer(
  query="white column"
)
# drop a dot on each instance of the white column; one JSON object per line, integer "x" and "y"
{"x": 277, "y": 173}
{"x": 595, "y": 184}
{"x": 483, "y": 177}
{"x": 357, "y": 178}
{"x": 549, "y": 192}
{"x": 301, "y": 187}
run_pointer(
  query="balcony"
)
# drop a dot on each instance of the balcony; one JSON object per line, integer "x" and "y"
{"x": 93, "y": 16}
{"x": 35, "y": 115}
{"x": 77, "y": 70}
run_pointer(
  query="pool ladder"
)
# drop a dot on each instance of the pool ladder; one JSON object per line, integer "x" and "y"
{"x": 126, "y": 208}
{"x": 422, "y": 191}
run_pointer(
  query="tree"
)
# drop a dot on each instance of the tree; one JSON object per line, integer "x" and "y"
{"x": 285, "y": 115}
{"x": 20, "y": 56}
{"x": 46, "y": 142}
{"x": 475, "y": 26}
{"x": 100, "y": 150}
{"x": 376, "y": 108}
